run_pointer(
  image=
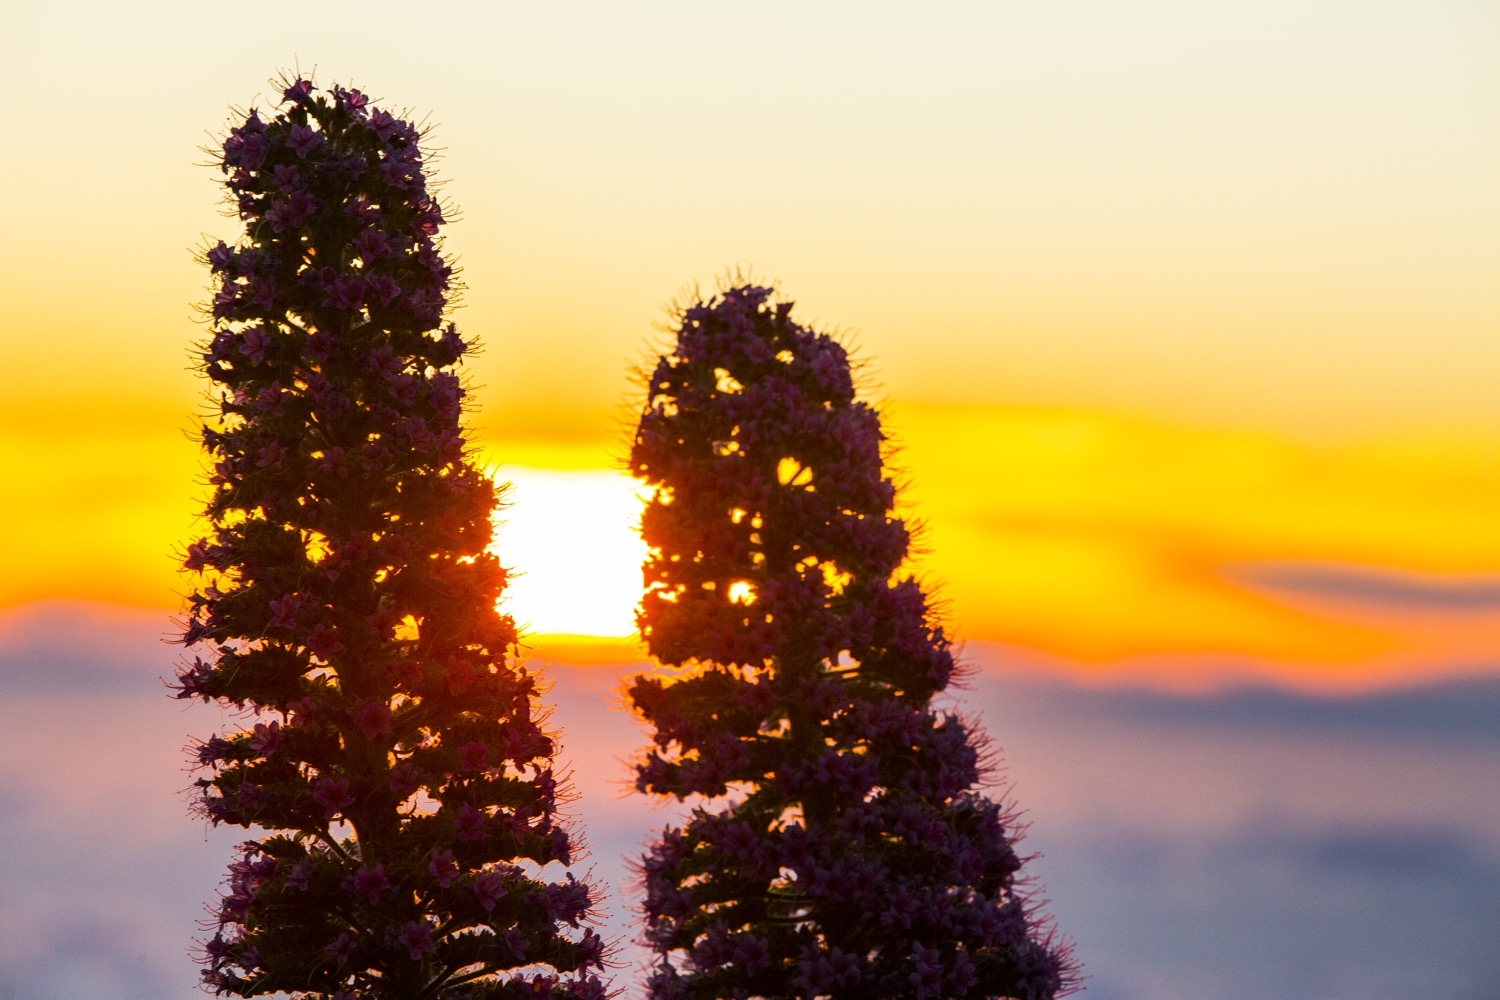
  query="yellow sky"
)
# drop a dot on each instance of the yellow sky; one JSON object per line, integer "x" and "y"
{"x": 1103, "y": 545}
{"x": 1171, "y": 302}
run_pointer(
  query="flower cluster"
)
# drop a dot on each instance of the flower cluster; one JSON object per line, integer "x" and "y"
{"x": 347, "y": 602}
{"x": 841, "y": 848}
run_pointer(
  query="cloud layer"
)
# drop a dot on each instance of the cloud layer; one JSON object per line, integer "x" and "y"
{"x": 1249, "y": 844}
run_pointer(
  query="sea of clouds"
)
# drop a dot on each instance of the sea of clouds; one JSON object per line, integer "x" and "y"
{"x": 1247, "y": 845}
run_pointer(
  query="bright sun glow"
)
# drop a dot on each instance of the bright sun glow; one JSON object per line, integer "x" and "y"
{"x": 570, "y": 539}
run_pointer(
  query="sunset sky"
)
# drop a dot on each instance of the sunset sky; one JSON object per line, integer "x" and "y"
{"x": 1185, "y": 316}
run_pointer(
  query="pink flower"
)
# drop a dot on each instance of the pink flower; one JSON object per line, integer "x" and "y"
{"x": 341, "y": 949}
{"x": 298, "y": 92}
{"x": 446, "y": 393}
{"x": 489, "y": 889}
{"x": 452, "y": 341}
{"x": 417, "y": 937}
{"x": 398, "y": 174}
{"x": 220, "y": 257}
{"x": 353, "y": 100}
{"x": 383, "y": 125}
{"x": 270, "y": 456}
{"x": 418, "y": 434}
{"x": 333, "y": 795}
{"x": 347, "y": 293}
{"x": 300, "y": 873}
{"x": 382, "y": 288}
{"x": 286, "y": 177}
{"x": 254, "y": 343}
{"x": 324, "y": 641}
{"x": 335, "y": 462}
{"x": 292, "y": 212}
{"x": 373, "y": 719}
{"x": 303, "y": 140}
{"x": 469, "y": 822}
{"x": 443, "y": 868}
{"x": 383, "y": 363}
{"x": 404, "y": 389}
{"x": 382, "y": 622}
{"x": 927, "y": 972}
{"x": 450, "y": 447}
{"x": 271, "y": 399}
{"x": 405, "y": 778}
{"x": 199, "y": 555}
{"x": 372, "y": 245}
{"x": 368, "y": 882}
{"x": 224, "y": 300}
{"x": 266, "y": 738}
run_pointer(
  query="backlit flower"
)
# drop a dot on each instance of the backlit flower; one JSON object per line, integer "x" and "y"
{"x": 802, "y": 710}
{"x": 349, "y": 605}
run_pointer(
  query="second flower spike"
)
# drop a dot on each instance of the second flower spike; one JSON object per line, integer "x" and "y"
{"x": 842, "y": 848}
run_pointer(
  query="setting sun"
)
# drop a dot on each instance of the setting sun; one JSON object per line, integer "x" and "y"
{"x": 570, "y": 540}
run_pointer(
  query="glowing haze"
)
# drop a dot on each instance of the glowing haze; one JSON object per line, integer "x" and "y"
{"x": 1185, "y": 313}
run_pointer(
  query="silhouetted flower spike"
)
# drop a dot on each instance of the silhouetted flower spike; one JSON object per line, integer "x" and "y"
{"x": 841, "y": 849}
{"x": 349, "y": 603}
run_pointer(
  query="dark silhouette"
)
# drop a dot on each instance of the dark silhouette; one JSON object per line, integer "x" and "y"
{"x": 839, "y": 848}
{"x": 348, "y": 603}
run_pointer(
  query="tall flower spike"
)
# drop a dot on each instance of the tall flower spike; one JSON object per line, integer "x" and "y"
{"x": 348, "y": 602}
{"x": 840, "y": 848}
